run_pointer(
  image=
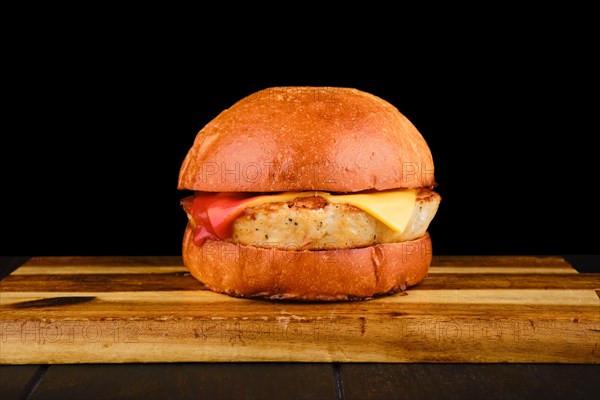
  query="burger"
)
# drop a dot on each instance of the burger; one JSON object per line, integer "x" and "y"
{"x": 308, "y": 193}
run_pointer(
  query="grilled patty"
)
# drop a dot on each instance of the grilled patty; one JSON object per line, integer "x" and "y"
{"x": 310, "y": 223}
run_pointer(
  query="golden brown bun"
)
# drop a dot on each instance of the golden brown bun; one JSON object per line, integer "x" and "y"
{"x": 352, "y": 274}
{"x": 308, "y": 138}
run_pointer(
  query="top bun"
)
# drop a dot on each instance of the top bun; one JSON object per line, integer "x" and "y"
{"x": 308, "y": 138}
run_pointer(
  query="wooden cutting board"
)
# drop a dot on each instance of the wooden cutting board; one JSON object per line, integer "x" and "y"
{"x": 149, "y": 309}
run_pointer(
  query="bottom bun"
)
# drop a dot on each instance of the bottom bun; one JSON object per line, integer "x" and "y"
{"x": 325, "y": 275}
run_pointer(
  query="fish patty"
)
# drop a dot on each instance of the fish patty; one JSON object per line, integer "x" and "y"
{"x": 311, "y": 223}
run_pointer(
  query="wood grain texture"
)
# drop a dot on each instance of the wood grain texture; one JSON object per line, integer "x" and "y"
{"x": 472, "y": 309}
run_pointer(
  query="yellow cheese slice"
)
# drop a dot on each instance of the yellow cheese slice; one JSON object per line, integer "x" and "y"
{"x": 394, "y": 208}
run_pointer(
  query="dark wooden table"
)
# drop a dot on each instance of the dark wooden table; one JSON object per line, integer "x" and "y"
{"x": 302, "y": 380}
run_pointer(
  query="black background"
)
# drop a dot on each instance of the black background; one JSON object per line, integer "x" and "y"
{"x": 99, "y": 129}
